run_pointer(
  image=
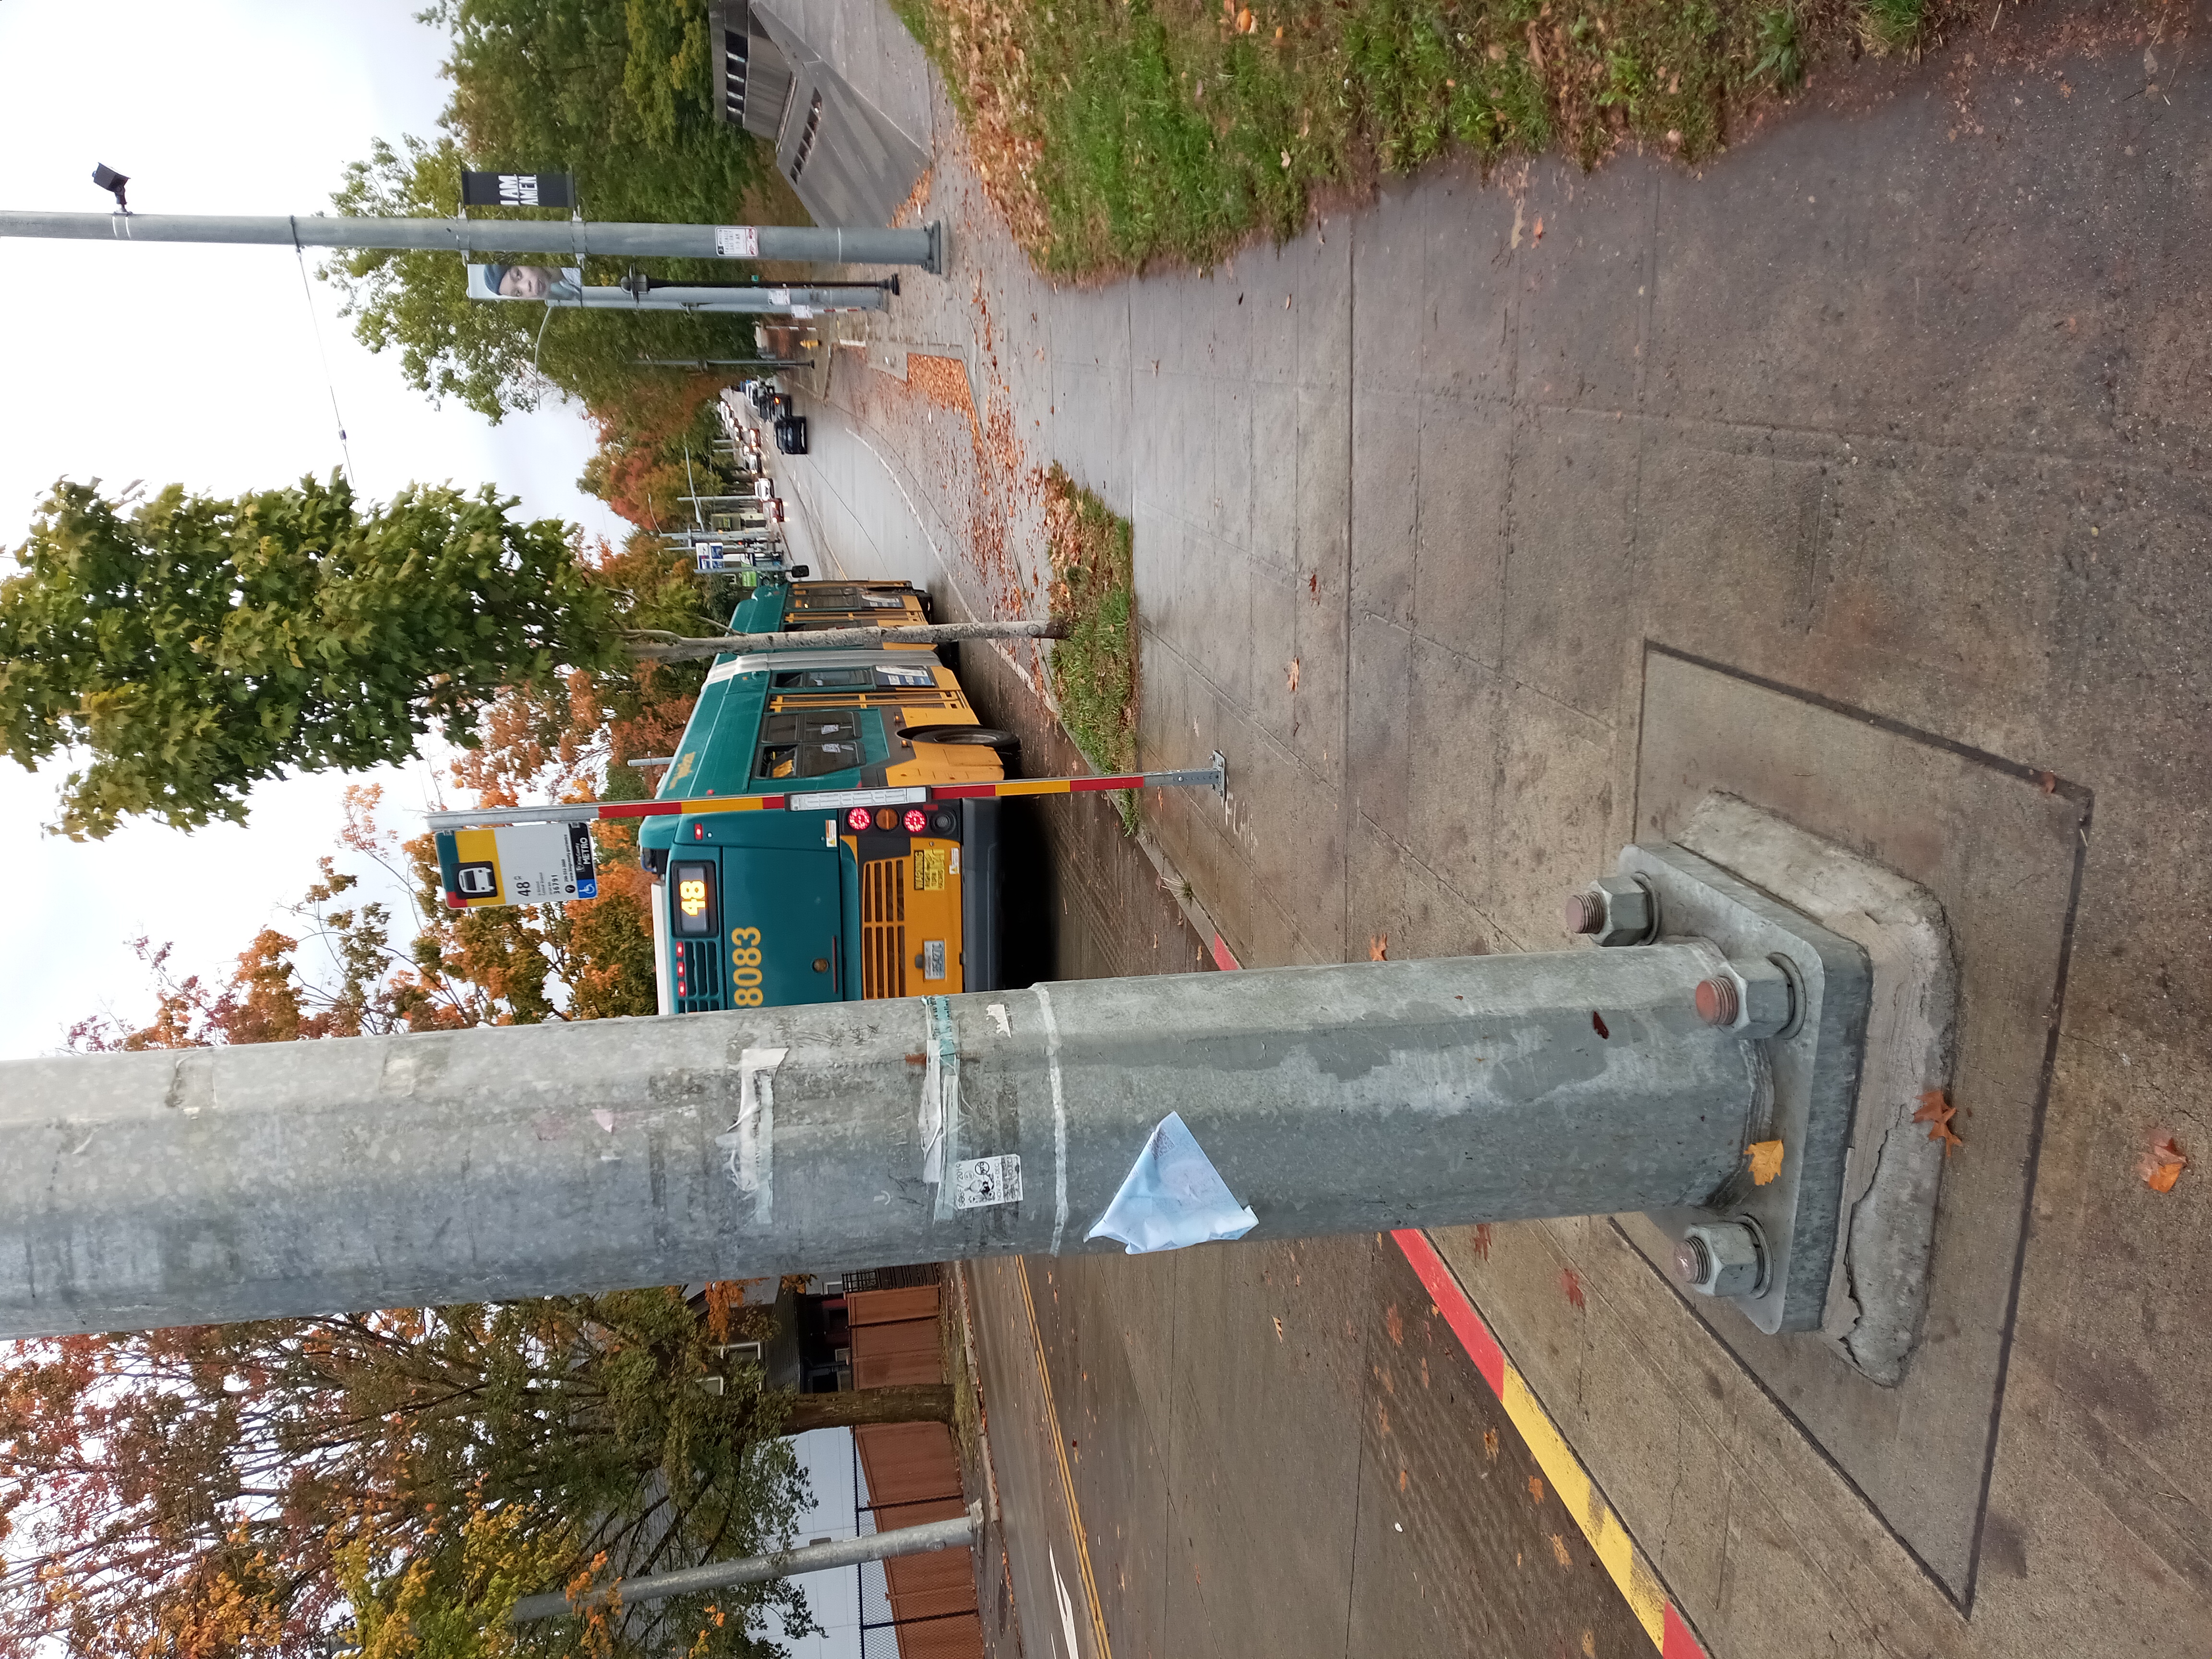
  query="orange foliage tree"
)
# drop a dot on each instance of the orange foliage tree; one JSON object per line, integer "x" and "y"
{"x": 398, "y": 1479}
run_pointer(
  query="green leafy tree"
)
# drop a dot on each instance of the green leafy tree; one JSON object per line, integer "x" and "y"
{"x": 623, "y": 94}
{"x": 195, "y": 645}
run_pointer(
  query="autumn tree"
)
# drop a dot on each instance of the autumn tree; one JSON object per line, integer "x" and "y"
{"x": 252, "y": 1489}
{"x": 196, "y": 645}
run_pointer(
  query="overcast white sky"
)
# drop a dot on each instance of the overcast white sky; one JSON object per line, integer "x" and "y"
{"x": 199, "y": 365}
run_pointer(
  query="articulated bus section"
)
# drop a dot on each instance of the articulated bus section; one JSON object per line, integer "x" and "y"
{"x": 886, "y": 899}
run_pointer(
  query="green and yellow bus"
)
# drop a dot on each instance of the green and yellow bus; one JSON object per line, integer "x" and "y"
{"x": 865, "y": 897}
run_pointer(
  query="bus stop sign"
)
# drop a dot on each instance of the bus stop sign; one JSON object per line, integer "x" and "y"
{"x": 517, "y": 864}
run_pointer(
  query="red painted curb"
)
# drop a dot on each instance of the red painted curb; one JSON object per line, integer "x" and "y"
{"x": 1678, "y": 1640}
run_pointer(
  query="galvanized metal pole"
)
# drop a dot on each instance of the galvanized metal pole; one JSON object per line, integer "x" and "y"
{"x": 663, "y": 646}
{"x": 829, "y": 244}
{"x": 923, "y": 1540}
{"x": 209, "y": 1185}
{"x": 734, "y": 301}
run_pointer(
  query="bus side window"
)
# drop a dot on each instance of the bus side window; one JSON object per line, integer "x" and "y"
{"x": 809, "y": 744}
{"x": 820, "y": 679}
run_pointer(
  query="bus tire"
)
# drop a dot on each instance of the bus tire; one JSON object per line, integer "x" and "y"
{"x": 1009, "y": 746}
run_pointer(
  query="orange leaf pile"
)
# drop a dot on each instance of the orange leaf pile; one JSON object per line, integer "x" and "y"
{"x": 1936, "y": 1112}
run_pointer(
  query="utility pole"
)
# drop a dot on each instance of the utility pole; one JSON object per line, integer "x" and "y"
{"x": 766, "y": 365}
{"x": 574, "y": 238}
{"x": 735, "y": 299}
{"x": 209, "y": 1185}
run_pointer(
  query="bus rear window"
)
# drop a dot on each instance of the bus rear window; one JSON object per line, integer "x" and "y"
{"x": 692, "y": 890}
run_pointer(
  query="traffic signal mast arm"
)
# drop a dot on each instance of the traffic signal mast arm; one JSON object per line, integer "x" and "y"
{"x": 574, "y": 238}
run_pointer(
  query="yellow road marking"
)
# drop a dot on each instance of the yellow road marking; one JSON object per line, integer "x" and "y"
{"x": 1066, "y": 1475}
{"x": 1609, "y": 1538}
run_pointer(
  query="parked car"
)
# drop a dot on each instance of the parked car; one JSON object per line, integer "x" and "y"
{"x": 791, "y": 434}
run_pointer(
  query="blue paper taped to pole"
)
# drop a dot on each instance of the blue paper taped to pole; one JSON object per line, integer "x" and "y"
{"x": 1174, "y": 1197}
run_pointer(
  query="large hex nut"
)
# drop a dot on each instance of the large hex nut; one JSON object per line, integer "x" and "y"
{"x": 1751, "y": 998}
{"x": 1631, "y": 915}
{"x": 1722, "y": 1258}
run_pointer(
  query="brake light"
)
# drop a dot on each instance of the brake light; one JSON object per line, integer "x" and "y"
{"x": 858, "y": 818}
{"x": 917, "y": 820}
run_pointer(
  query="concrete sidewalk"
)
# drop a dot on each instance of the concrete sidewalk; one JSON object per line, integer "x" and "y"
{"x": 1865, "y": 475}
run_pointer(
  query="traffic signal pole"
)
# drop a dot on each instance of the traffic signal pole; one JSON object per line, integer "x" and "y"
{"x": 572, "y": 239}
{"x": 209, "y": 1185}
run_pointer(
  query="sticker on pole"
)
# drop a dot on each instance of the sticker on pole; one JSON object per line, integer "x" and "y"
{"x": 978, "y": 1182}
{"x": 517, "y": 864}
{"x": 1173, "y": 1197}
{"x": 737, "y": 242}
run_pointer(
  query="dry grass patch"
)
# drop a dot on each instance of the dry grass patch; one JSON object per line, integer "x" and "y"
{"x": 1094, "y": 669}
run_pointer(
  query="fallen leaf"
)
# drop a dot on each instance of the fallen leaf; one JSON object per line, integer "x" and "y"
{"x": 1496, "y": 52}
{"x": 1294, "y": 674}
{"x": 1278, "y": 1330}
{"x": 1536, "y": 1487}
{"x": 1559, "y": 1549}
{"x": 1936, "y": 1112}
{"x": 1482, "y": 1239}
{"x": 1313, "y": 577}
{"x": 1590, "y": 1644}
{"x": 1396, "y": 1324}
{"x": 2163, "y": 1164}
{"x": 1766, "y": 1161}
{"x": 1598, "y": 1024}
{"x": 1279, "y": 31}
{"x": 1379, "y": 948}
{"x": 2050, "y": 782}
{"x": 1244, "y": 24}
{"x": 1490, "y": 1444}
{"x": 1571, "y": 1283}
{"x": 1538, "y": 235}
{"x": 1401, "y": 1480}
{"x": 1286, "y": 160}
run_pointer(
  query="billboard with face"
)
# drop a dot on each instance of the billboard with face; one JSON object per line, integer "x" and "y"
{"x": 540, "y": 282}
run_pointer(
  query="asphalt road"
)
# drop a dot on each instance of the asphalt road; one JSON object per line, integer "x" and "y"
{"x": 1270, "y": 1450}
